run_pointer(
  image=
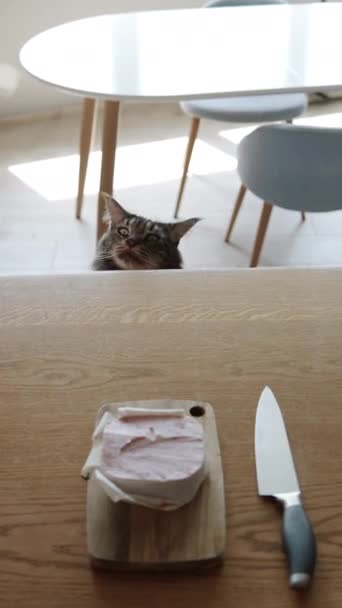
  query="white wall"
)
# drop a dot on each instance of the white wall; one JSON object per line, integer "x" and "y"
{"x": 21, "y": 19}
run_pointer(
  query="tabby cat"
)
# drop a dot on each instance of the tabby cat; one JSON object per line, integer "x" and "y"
{"x": 135, "y": 243}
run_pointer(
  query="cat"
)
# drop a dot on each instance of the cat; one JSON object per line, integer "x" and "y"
{"x": 132, "y": 242}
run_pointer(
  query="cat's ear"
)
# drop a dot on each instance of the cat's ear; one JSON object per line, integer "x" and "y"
{"x": 180, "y": 228}
{"x": 115, "y": 213}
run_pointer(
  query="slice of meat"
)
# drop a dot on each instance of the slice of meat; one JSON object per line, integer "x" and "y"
{"x": 135, "y": 412}
{"x": 158, "y": 457}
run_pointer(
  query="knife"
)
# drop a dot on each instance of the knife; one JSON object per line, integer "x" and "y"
{"x": 276, "y": 477}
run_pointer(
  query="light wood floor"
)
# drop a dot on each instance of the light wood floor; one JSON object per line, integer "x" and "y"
{"x": 40, "y": 234}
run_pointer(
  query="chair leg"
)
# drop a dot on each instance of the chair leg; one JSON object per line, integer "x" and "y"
{"x": 109, "y": 137}
{"x": 236, "y": 210}
{"x": 303, "y": 216}
{"x": 85, "y": 142}
{"x": 263, "y": 223}
{"x": 192, "y": 138}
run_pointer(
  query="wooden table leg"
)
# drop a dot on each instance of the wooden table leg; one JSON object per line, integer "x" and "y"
{"x": 85, "y": 142}
{"x": 109, "y": 137}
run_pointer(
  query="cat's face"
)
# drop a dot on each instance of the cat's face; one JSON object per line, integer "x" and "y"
{"x": 140, "y": 244}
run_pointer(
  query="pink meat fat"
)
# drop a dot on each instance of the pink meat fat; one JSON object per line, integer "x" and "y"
{"x": 152, "y": 448}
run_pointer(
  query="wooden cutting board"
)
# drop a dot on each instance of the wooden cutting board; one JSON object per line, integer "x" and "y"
{"x": 130, "y": 537}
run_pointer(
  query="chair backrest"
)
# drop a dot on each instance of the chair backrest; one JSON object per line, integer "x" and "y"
{"x": 294, "y": 167}
{"x": 218, "y": 3}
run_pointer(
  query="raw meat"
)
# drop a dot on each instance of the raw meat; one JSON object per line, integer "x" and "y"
{"x": 154, "y": 460}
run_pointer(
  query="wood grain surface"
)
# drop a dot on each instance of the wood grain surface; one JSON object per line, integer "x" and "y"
{"x": 67, "y": 344}
{"x": 131, "y": 537}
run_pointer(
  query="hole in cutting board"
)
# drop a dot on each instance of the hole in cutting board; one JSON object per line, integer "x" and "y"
{"x": 197, "y": 411}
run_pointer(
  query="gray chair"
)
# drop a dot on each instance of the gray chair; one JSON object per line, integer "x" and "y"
{"x": 294, "y": 167}
{"x": 256, "y": 109}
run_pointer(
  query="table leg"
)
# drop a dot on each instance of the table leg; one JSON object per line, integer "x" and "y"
{"x": 87, "y": 125}
{"x": 109, "y": 137}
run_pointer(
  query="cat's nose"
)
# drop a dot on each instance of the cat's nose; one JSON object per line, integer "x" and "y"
{"x": 131, "y": 242}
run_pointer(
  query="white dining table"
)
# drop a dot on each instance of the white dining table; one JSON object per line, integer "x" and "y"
{"x": 175, "y": 55}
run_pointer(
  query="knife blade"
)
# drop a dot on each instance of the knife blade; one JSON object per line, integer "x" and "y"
{"x": 277, "y": 477}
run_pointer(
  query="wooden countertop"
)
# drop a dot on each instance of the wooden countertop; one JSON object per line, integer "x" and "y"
{"x": 68, "y": 343}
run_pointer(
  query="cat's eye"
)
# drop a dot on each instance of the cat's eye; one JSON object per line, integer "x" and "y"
{"x": 123, "y": 231}
{"x": 153, "y": 238}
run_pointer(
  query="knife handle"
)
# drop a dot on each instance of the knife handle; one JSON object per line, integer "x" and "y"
{"x": 299, "y": 545}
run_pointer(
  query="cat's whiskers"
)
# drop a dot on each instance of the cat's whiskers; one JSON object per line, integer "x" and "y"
{"x": 101, "y": 255}
{"x": 146, "y": 259}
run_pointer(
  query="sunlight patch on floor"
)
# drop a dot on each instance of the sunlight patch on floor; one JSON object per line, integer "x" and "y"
{"x": 334, "y": 120}
{"x": 235, "y": 135}
{"x": 136, "y": 165}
